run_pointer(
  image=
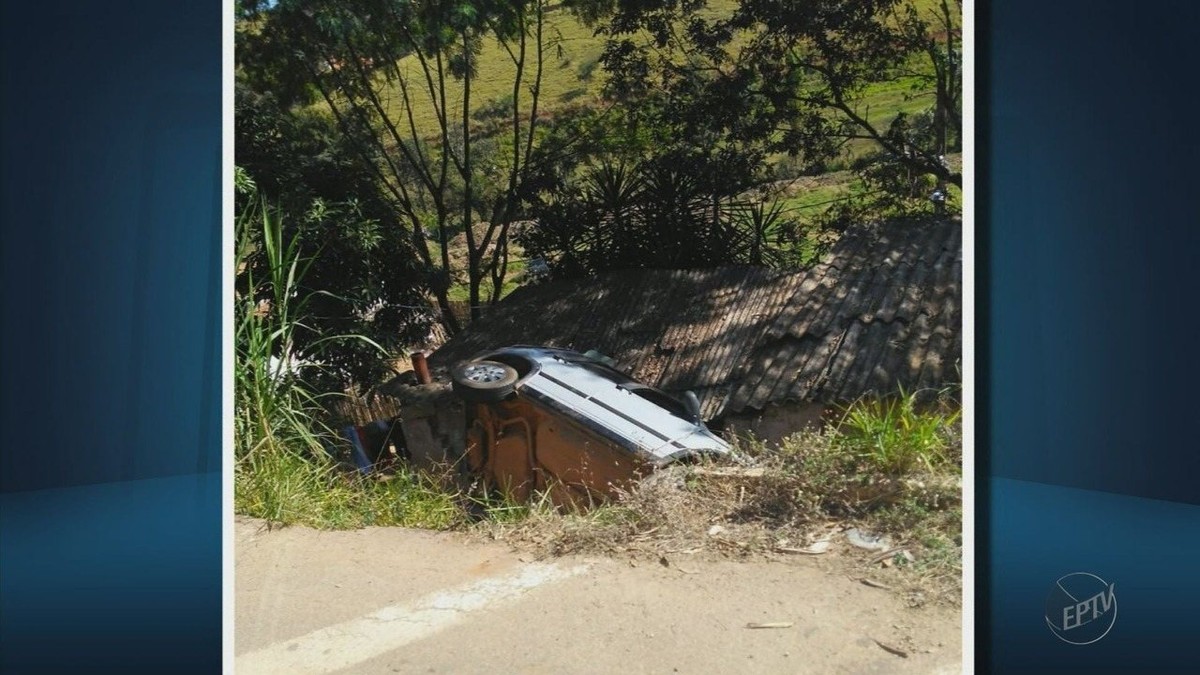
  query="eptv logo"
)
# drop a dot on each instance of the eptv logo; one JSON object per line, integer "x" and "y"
{"x": 1081, "y": 608}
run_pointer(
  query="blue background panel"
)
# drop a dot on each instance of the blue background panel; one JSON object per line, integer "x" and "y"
{"x": 1090, "y": 233}
{"x": 110, "y": 349}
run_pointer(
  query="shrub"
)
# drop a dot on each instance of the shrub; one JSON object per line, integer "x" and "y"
{"x": 898, "y": 435}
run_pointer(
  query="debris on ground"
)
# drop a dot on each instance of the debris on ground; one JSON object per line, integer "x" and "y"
{"x": 731, "y": 472}
{"x": 892, "y": 650}
{"x": 816, "y": 548}
{"x": 864, "y": 540}
{"x": 890, "y": 555}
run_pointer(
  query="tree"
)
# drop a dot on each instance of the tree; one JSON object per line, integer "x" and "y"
{"x": 376, "y": 66}
{"x": 629, "y": 196}
{"x": 795, "y": 75}
{"x": 358, "y": 281}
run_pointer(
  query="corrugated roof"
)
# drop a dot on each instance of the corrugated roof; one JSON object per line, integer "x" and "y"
{"x": 882, "y": 309}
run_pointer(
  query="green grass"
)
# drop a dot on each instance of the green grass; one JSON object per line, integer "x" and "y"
{"x": 572, "y": 75}
{"x": 459, "y": 290}
{"x": 803, "y": 200}
{"x": 286, "y": 487}
{"x": 898, "y": 435}
{"x": 570, "y": 52}
{"x": 882, "y": 101}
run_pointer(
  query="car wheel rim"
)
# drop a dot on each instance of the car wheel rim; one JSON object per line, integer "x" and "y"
{"x": 484, "y": 373}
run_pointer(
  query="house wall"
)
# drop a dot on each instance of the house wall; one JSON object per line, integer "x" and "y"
{"x": 776, "y": 422}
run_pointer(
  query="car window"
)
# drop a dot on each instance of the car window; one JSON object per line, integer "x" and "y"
{"x": 663, "y": 400}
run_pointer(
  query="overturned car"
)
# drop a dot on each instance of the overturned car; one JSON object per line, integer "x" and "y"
{"x": 570, "y": 424}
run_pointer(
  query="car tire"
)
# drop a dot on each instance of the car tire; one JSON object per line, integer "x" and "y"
{"x": 484, "y": 381}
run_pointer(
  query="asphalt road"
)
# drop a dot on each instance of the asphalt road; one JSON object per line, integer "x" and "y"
{"x": 391, "y": 600}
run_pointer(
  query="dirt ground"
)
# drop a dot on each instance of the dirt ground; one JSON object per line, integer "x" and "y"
{"x": 387, "y": 600}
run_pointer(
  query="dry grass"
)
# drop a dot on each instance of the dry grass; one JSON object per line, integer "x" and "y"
{"x": 794, "y": 501}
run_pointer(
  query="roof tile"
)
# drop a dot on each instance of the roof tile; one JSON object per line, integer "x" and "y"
{"x": 881, "y": 310}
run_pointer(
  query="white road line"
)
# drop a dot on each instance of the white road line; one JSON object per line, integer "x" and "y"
{"x": 346, "y": 644}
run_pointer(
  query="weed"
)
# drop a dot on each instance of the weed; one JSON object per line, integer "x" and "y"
{"x": 897, "y": 435}
{"x": 932, "y": 535}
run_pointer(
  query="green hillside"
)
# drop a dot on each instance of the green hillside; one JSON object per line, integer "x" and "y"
{"x": 573, "y": 75}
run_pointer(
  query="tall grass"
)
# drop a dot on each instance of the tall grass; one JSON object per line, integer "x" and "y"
{"x": 274, "y": 412}
{"x": 283, "y": 472}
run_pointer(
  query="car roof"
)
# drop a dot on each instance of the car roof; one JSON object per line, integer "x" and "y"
{"x": 611, "y": 402}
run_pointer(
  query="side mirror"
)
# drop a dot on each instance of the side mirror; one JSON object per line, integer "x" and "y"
{"x": 692, "y": 403}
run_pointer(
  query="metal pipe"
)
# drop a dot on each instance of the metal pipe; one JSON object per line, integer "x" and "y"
{"x": 421, "y": 368}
